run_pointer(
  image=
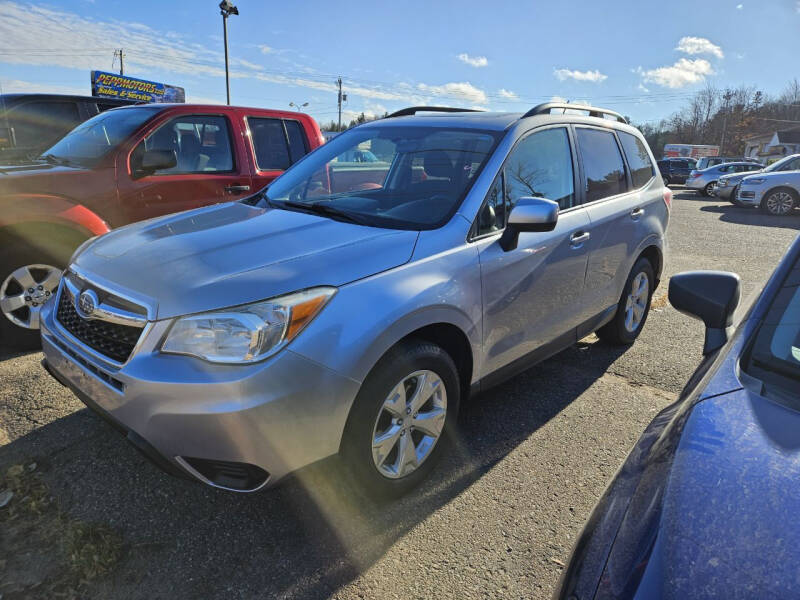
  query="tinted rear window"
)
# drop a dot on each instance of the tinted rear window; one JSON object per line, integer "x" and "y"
{"x": 603, "y": 168}
{"x": 638, "y": 157}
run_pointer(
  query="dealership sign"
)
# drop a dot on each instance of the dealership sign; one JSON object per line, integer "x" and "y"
{"x": 109, "y": 85}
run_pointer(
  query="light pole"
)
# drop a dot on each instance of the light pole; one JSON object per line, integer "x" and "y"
{"x": 298, "y": 106}
{"x": 226, "y": 8}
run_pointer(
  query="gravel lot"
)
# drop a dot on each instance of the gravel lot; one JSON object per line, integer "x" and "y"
{"x": 534, "y": 455}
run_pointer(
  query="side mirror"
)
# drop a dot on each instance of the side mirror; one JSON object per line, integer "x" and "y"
{"x": 157, "y": 160}
{"x": 529, "y": 214}
{"x": 712, "y": 297}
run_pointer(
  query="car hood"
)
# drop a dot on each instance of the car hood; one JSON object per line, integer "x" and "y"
{"x": 234, "y": 253}
{"x": 40, "y": 177}
{"x": 738, "y": 176}
{"x": 729, "y": 505}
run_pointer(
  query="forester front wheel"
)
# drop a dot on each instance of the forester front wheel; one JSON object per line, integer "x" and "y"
{"x": 402, "y": 419}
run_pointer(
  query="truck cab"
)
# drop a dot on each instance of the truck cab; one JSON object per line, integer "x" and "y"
{"x": 125, "y": 165}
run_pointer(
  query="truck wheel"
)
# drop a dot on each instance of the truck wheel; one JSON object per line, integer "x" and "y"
{"x": 28, "y": 279}
{"x": 779, "y": 202}
{"x": 402, "y": 419}
{"x": 633, "y": 307}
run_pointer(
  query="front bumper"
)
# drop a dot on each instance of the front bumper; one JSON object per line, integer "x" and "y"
{"x": 723, "y": 192}
{"x": 749, "y": 196}
{"x": 266, "y": 419}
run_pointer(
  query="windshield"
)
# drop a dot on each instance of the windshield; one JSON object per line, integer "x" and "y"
{"x": 390, "y": 176}
{"x": 92, "y": 139}
{"x": 775, "y": 357}
{"x": 779, "y": 165}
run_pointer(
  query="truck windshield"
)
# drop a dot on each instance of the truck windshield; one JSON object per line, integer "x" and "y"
{"x": 387, "y": 176}
{"x": 94, "y": 138}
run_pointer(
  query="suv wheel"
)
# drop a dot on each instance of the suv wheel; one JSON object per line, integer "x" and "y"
{"x": 27, "y": 281}
{"x": 779, "y": 202}
{"x": 633, "y": 307}
{"x": 402, "y": 418}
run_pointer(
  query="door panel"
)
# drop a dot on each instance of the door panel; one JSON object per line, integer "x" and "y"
{"x": 531, "y": 295}
{"x": 208, "y": 170}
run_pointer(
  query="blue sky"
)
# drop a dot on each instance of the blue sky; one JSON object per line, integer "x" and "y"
{"x": 640, "y": 57}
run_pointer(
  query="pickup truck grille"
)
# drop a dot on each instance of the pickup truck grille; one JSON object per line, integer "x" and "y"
{"x": 110, "y": 339}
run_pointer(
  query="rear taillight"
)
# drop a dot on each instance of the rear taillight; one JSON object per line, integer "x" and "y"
{"x": 668, "y": 197}
{"x": 694, "y": 174}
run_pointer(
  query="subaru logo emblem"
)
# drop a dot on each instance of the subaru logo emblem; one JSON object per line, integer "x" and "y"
{"x": 87, "y": 302}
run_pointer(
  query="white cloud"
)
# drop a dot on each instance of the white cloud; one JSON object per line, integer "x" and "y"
{"x": 739, "y": 6}
{"x": 508, "y": 94}
{"x": 684, "y": 72}
{"x": 698, "y": 45}
{"x": 473, "y": 61}
{"x": 593, "y": 76}
{"x": 265, "y": 49}
{"x": 463, "y": 90}
{"x": 18, "y": 86}
{"x": 642, "y": 88}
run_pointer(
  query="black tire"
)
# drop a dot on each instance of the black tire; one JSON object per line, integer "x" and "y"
{"x": 55, "y": 250}
{"x": 356, "y": 447}
{"x": 765, "y": 204}
{"x": 666, "y": 180}
{"x": 615, "y": 332}
{"x": 706, "y": 191}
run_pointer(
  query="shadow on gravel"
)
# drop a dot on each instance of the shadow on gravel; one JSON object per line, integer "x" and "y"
{"x": 303, "y": 539}
{"x": 750, "y": 216}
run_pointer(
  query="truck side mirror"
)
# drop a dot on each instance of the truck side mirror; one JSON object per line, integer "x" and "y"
{"x": 712, "y": 297}
{"x": 157, "y": 160}
{"x": 529, "y": 214}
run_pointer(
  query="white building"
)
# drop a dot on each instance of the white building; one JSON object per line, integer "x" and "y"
{"x": 769, "y": 147}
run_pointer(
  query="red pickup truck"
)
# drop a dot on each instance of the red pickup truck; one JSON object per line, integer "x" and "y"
{"x": 125, "y": 165}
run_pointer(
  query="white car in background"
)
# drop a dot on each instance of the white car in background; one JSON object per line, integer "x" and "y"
{"x": 776, "y": 192}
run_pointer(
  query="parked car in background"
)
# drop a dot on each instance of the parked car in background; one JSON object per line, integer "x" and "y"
{"x": 703, "y": 505}
{"x": 712, "y": 161}
{"x": 675, "y": 170}
{"x": 776, "y": 192}
{"x": 728, "y": 185}
{"x": 30, "y": 123}
{"x": 122, "y": 166}
{"x": 704, "y": 181}
{"x": 237, "y": 343}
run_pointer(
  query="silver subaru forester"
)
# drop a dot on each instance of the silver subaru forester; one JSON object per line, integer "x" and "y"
{"x": 352, "y": 306}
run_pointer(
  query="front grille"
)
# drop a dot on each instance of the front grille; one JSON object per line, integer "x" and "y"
{"x": 110, "y": 339}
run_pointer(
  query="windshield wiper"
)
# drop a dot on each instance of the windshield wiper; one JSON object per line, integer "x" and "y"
{"x": 324, "y": 209}
{"x": 56, "y": 160}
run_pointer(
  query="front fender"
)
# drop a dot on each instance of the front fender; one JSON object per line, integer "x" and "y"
{"x": 23, "y": 209}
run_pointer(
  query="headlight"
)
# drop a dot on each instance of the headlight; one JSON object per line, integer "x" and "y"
{"x": 248, "y": 333}
{"x": 755, "y": 180}
{"x": 722, "y": 183}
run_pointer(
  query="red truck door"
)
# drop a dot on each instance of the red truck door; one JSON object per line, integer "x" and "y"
{"x": 211, "y": 166}
{"x": 277, "y": 143}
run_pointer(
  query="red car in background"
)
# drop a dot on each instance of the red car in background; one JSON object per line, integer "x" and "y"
{"x": 125, "y": 165}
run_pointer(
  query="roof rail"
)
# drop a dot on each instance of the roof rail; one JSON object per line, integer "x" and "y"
{"x": 412, "y": 110}
{"x": 594, "y": 111}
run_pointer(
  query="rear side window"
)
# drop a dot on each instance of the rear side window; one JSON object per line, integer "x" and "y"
{"x": 297, "y": 140}
{"x": 39, "y": 124}
{"x": 638, "y": 157}
{"x": 269, "y": 142}
{"x": 603, "y": 168}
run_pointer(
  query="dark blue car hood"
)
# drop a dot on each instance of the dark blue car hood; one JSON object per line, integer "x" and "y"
{"x": 729, "y": 517}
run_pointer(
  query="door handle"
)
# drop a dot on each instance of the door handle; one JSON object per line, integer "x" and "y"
{"x": 636, "y": 213}
{"x": 235, "y": 189}
{"x": 577, "y": 239}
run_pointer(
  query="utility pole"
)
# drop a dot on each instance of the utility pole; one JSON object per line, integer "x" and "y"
{"x": 728, "y": 95}
{"x": 339, "y": 82}
{"x": 121, "y": 64}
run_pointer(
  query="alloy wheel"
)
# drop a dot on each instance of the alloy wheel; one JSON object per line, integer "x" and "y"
{"x": 779, "y": 203}
{"x": 409, "y": 423}
{"x": 24, "y": 291}
{"x": 636, "y": 303}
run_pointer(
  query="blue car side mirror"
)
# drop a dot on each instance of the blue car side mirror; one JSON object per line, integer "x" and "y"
{"x": 712, "y": 297}
{"x": 529, "y": 214}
